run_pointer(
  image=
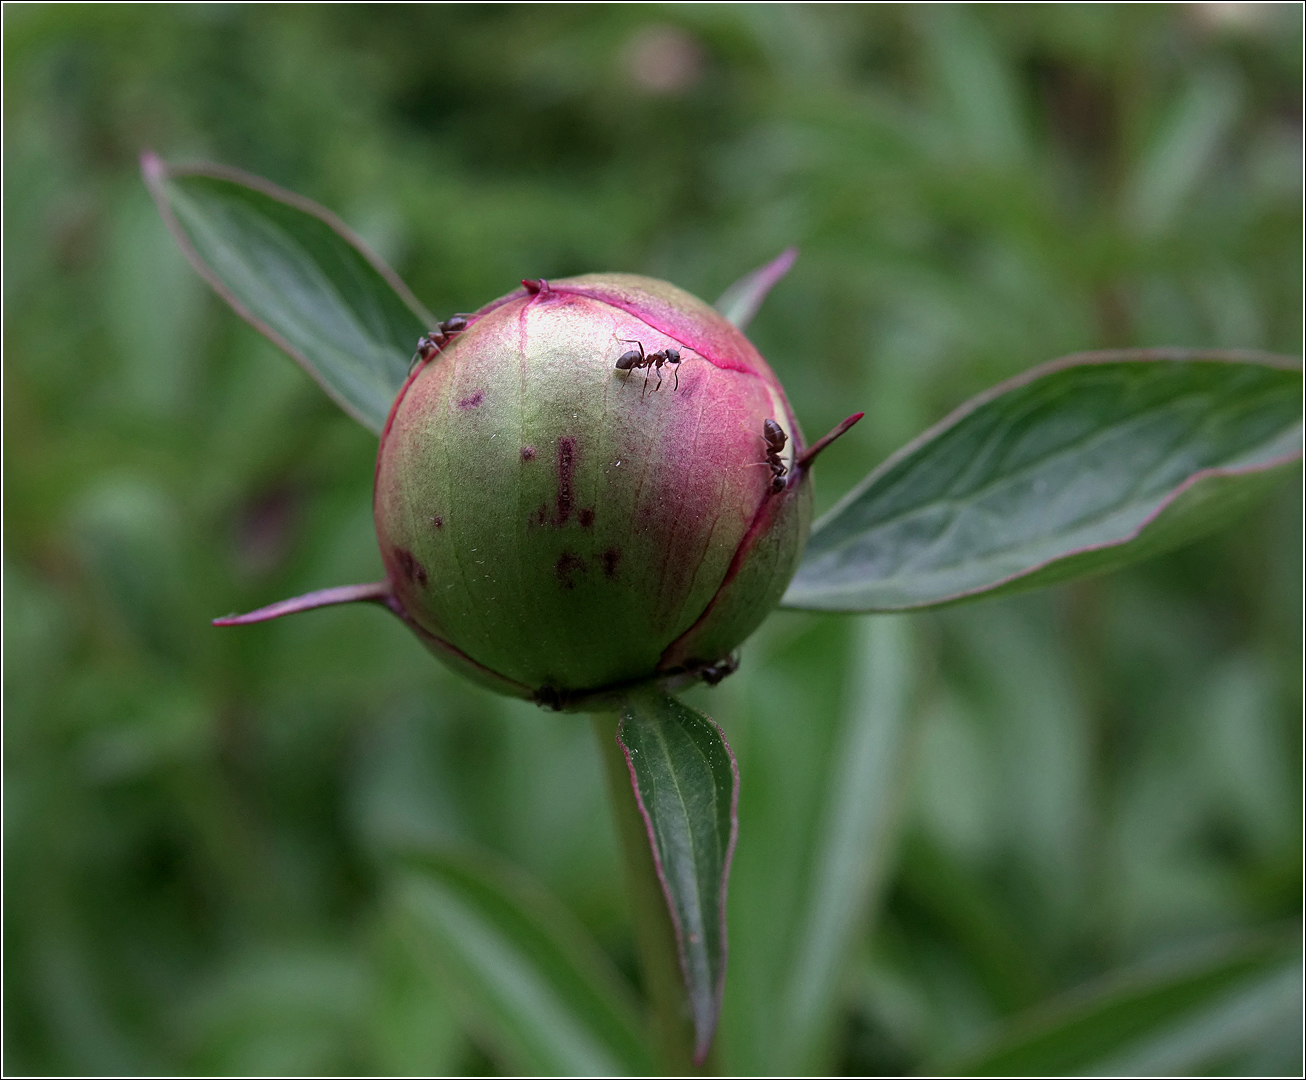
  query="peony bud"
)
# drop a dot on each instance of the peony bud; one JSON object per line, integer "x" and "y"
{"x": 587, "y": 485}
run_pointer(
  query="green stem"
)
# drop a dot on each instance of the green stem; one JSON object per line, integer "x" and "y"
{"x": 654, "y": 936}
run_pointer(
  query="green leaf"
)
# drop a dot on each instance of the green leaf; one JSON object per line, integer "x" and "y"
{"x": 1184, "y": 148}
{"x": 528, "y": 979}
{"x": 743, "y": 299}
{"x": 853, "y": 843}
{"x": 1077, "y": 467}
{"x": 298, "y": 275}
{"x": 1160, "y": 1021}
{"x": 687, "y": 787}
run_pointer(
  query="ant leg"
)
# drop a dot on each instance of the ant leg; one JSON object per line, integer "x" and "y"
{"x": 633, "y": 341}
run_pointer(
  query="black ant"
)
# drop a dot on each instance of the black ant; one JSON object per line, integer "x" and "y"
{"x": 714, "y": 673}
{"x": 430, "y": 344}
{"x": 775, "y": 438}
{"x": 638, "y": 358}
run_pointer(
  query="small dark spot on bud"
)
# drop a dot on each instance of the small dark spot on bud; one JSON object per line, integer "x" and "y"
{"x": 528, "y": 453}
{"x": 540, "y": 517}
{"x": 567, "y": 565}
{"x": 586, "y": 517}
{"x": 566, "y": 475}
{"x": 611, "y": 558}
{"x": 473, "y": 401}
{"x": 410, "y": 567}
{"x": 437, "y": 521}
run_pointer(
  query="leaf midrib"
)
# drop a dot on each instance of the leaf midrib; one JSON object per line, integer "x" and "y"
{"x": 684, "y": 808}
{"x": 235, "y": 257}
{"x": 973, "y": 496}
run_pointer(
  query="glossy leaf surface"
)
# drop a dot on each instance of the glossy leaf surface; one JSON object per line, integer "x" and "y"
{"x": 1078, "y": 467}
{"x": 687, "y": 787}
{"x": 298, "y": 275}
{"x": 1167, "y": 1021}
{"x": 529, "y": 980}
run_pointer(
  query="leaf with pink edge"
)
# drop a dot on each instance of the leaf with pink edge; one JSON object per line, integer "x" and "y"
{"x": 743, "y": 299}
{"x": 299, "y": 276}
{"x": 1074, "y": 468}
{"x": 687, "y": 788}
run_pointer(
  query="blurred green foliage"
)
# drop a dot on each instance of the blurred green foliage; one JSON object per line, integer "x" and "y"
{"x": 197, "y": 821}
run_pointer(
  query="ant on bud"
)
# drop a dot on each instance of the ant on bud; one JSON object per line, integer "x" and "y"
{"x": 637, "y": 358}
{"x": 428, "y": 345}
{"x": 775, "y": 439}
{"x": 714, "y": 673}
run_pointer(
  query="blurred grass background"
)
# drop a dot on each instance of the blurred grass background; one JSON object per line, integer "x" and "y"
{"x": 196, "y": 821}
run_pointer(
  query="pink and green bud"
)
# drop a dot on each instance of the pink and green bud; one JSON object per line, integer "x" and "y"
{"x": 594, "y": 483}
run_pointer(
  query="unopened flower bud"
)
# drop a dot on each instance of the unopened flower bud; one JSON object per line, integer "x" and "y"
{"x": 591, "y": 486}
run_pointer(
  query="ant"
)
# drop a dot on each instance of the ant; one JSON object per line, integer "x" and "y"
{"x": 430, "y": 344}
{"x": 638, "y": 358}
{"x": 775, "y": 438}
{"x": 714, "y": 673}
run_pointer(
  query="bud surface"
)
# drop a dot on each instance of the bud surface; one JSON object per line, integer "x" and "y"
{"x": 557, "y": 527}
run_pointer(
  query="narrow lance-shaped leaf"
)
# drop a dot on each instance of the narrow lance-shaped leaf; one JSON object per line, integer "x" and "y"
{"x": 853, "y": 842}
{"x": 298, "y": 275}
{"x": 743, "y": 299}
{"x": 1074, "y": 468}
{"x": 527, "y": 978}
{"x": 1166, "y": 1020}
{"x": 687, "y": 787}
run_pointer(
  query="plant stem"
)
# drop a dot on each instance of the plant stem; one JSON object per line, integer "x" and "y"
{"x": 654, "y": 936}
